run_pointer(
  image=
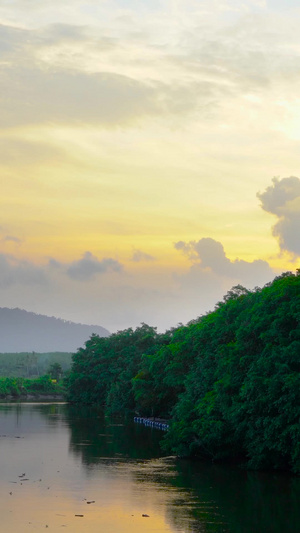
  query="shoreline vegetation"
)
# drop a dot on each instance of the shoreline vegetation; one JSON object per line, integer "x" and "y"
{"x": 19, "y": 389}
{"x": 228, "y": 381}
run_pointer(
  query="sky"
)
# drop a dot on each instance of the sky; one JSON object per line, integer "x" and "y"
{"x": 149, "y": 155}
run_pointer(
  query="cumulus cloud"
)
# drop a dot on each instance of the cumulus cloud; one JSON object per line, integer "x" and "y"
{"x": 209, "y": 257}
{"x": 212, "y": 274}
{"x": 89, "y": 265}
{"x": 138, "y": 256}
{"x": 14, "y": 271}
{"x": 282, "y": 199}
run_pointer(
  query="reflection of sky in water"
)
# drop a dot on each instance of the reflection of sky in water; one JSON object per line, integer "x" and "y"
{"x": 70, "y": 457}
{"x": 57, "y": 484}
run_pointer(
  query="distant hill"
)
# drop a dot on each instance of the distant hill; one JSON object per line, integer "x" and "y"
{"x": 22, "y": 331}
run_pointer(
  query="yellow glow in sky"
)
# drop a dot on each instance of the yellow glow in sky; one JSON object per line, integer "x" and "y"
{"x": 129, "y": 127}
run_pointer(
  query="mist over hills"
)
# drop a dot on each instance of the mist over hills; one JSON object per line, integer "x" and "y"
{"x": 22, "y": 331}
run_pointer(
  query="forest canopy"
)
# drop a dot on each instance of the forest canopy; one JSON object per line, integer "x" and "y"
{"x": 229, "y": 381}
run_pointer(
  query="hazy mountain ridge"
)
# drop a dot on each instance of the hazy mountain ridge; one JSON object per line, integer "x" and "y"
{"x": 22, "y": 330}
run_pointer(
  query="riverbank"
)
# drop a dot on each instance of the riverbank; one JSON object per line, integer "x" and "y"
{"x": 229, "y": 380}
{"x": 24, "y": 389}
{"x": 33, "y": 397}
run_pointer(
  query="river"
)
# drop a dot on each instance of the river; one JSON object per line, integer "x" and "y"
{"x": 63, "y": 468}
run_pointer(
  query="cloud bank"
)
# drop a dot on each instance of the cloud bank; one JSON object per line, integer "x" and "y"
{"x": 103, "y": 291}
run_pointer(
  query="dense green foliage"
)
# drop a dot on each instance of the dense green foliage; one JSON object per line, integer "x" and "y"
{"x": 102, "y": 372}
{"x": 21, "y": 388}
{"x": 32, "y": 364}
{"x": 229, "y": 380}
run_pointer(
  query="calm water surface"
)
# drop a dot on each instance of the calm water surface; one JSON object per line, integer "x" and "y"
{"x": 57, "y": 462}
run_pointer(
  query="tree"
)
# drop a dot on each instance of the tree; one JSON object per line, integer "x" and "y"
{"x": 55, "y": 370}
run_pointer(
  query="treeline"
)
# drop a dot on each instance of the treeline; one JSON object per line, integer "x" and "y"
{"x": 20, "y": 388}
{"x": 32, "y": 364}
{"x": 229, "y": 381}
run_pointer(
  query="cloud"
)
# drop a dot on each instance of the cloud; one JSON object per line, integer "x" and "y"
{"x": 88, "y": 266}
{"x": 45, "y": 80}
{"x": 19, "y": 271}
{"x": 209, "y": 257}
{"x": 282, "y": 199}
{"x": 77, "y": 74}
{"x": 138, "y": 256}
{"x": 156, "y": 296}
{"x": 212, "y": 274}
{"x": 36, "y": 96}
{"x": 22, "y": 152}
{"x": 11, "y": 238}
{"x": 53, "y": 263}
{"x": 38, "y": 90}
{"x": 14, "y": 271}
{"x": 276, "y": 198}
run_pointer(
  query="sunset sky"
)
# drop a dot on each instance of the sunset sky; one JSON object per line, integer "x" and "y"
{"x": 150, "y": 155}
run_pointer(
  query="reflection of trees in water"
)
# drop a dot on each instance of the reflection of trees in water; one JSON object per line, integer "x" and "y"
{"x": 135, "y": 448}
{"x": 245, "y": 501}
{"x": 201, "y": 497}
{"x": 222, "y": 498}
{"x": 94, "y": 437}
{"x": 187, "y": 509}
{"x": 52, "y": 413}
{"x": 28, "y": 417}
{"x": 198, "y": 497}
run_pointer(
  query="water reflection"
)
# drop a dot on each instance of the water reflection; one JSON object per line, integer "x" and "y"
{"x": 94, "y": 437}
{"x": 72, "y": 455}
{"x": 215, "y": 497}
